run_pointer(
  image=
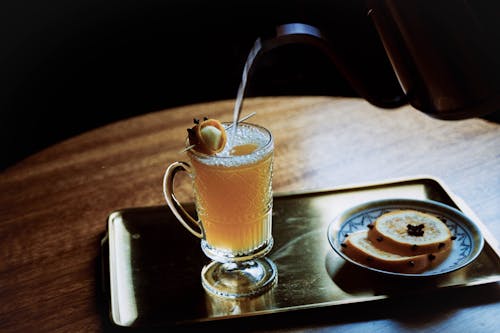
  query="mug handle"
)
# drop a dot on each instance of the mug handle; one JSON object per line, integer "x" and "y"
{"x": 168, "y": 191}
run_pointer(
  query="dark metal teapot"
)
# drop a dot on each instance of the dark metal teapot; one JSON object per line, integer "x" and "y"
{"x": 445, "y": 55}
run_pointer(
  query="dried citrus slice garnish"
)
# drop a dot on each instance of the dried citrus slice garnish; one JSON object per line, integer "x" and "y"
{"x": 208, "y": 137}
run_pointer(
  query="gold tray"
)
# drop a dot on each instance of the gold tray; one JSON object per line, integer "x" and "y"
{"x": 152, "y": 265}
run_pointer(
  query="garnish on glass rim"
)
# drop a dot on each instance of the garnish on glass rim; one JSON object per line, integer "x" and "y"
{"x": 210, "y": 132}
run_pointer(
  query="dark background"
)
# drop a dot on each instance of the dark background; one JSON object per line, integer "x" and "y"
{"x": 69, "y": 66}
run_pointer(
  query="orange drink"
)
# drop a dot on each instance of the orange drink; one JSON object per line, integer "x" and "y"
{"x": 233, "y": 193}
{"x": 233, "y": 197}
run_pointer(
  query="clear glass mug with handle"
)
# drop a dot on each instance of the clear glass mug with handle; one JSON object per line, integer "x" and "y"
{"x": 233, "y": 199}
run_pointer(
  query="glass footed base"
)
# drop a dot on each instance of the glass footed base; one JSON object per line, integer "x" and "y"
{"x": 239, "y": 279}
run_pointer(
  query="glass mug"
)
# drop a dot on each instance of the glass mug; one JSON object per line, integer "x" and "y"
{"x": 233, "y": 199}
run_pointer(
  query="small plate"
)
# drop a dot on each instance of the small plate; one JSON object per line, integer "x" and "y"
{"x": 466, "y": 246}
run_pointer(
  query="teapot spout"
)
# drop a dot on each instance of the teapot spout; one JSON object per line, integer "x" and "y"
{"x": 363, "y": 83}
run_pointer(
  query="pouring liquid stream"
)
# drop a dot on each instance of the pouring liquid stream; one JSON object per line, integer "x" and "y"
{"x": 257, "y": 47}
{"x": 241, "y": 89}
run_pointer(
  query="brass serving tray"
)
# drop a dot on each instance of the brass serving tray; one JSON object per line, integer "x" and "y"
{"x": 152, "y": 265}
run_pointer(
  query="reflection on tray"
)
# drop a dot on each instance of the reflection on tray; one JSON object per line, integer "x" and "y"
{"x": 224, "y": 307}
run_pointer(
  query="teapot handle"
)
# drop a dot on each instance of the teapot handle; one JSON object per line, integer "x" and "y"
{"x": 300, "y": 33}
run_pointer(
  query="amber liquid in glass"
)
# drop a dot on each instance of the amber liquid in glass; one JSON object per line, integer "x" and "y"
{"x": 234, "y": 197}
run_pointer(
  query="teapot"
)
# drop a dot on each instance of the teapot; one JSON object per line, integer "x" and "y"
{"x": 444, "y": 54}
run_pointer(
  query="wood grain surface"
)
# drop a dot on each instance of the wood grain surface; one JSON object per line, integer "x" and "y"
{"x": 54, "y": 204}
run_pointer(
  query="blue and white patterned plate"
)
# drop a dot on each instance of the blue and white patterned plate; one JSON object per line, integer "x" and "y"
{"x": 467, "y": 244}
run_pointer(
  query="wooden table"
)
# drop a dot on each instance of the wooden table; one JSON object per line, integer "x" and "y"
{"x": 54, "y": 204}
